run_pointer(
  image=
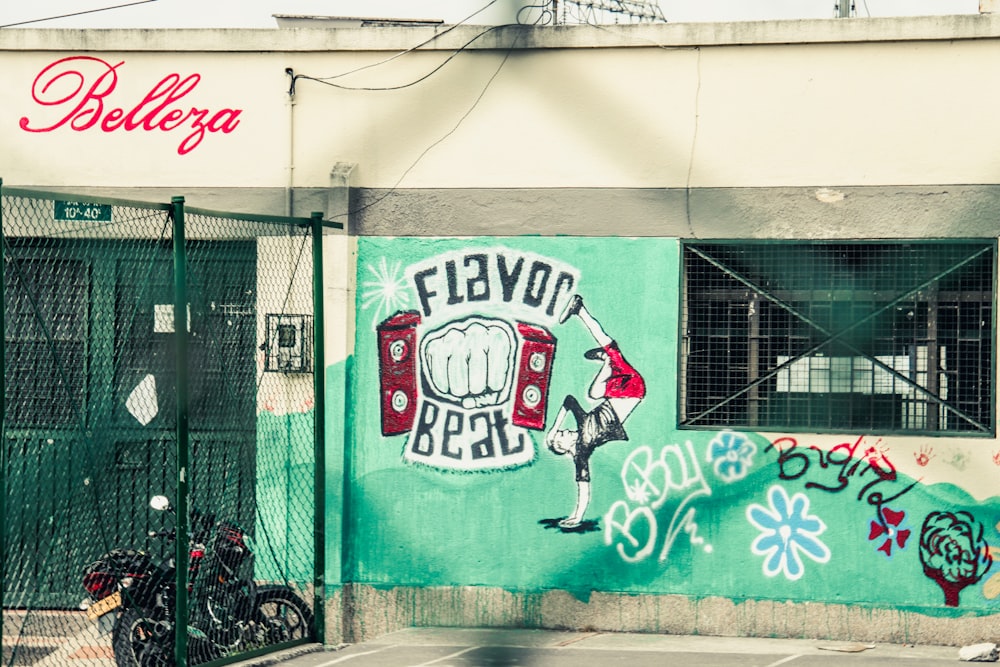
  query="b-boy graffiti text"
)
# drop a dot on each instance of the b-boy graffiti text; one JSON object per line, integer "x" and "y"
{"x": 79, "y": 90}
{"x": 648, "y": 482}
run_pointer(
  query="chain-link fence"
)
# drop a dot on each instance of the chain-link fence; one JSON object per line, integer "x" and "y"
{"x": 119, "y": 434}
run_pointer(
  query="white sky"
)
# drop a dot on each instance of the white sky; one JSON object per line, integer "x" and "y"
{"x": 258, "y": 13}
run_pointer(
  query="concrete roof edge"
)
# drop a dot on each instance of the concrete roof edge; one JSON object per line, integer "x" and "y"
{"x": 396, "y": 38}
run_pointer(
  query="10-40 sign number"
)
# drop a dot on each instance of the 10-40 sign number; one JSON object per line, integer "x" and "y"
{"x": 74, "y": 210}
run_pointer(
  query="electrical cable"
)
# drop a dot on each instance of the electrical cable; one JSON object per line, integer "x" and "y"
{"x": 420, "y": 157}
{"x": 426, "y": 76}
{"x": 412, "y": 48}
{"x": 327, "y": 79}
{"x": 544, "y": 18}
{"x": 694, "y": 141}
{"x": 89, "y": 11}
{"x": 694, "y": 134}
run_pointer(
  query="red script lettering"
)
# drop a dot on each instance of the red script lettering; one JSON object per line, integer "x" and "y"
{"x": 79, "y": 89}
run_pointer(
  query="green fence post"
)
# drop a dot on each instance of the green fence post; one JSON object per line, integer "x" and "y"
{"x": 3, "y": 414}
{"x": 319, "y": 434}
{"x": 181, "y": 501}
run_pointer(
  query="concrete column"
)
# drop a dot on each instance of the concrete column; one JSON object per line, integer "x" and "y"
{"x": 340, "y": 253}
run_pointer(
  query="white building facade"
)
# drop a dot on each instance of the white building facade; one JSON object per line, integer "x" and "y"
{"x": 783, "y": 237}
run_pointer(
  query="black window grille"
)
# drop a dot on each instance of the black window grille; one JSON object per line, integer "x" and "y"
{"x": 45, "y": 334}
{"x": 839, "y": 336}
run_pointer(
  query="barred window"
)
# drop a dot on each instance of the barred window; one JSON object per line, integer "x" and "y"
{"x": 46, "y": 314}
{"x": 839, "y": 336}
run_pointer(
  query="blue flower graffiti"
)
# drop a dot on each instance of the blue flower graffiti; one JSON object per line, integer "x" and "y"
{"x": 787, "y": 531}
{"x": 731, "y": 455}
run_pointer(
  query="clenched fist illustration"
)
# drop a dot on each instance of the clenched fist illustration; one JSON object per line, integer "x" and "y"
{"x": 470, "y": 362}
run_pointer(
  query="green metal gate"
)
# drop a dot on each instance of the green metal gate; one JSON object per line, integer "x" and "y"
{"x": 106, "y": 406}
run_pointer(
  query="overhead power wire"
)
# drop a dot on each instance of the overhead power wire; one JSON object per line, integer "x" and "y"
{"x": 697, "y": 117}
{"x": 545, "y": 16}
{"x": 447, "y": 134}
{"x": 327, "y": 82}
{"x": 88, "y": 11}
{"x": 412, "y": 48}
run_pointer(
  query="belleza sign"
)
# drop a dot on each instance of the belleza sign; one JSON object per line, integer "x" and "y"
{"x": 79, "y": 89}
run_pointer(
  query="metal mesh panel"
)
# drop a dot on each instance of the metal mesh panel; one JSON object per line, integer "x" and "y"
{"x": 839, "y": 336}
{"x": 91, "y": 433}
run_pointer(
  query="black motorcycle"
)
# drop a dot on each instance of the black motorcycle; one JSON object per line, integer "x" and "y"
{"x": 134, "y": 598}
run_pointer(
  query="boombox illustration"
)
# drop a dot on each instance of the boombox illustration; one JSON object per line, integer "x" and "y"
{"x": 474, "y": 363}
{"x": 397, "y": 344}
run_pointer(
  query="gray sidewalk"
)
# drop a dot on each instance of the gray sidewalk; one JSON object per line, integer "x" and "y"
{"x": 457, "y": 647}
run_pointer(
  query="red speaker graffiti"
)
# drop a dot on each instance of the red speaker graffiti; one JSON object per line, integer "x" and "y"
{"x": 397, "y": 341}
{"x": 531, "y": 395}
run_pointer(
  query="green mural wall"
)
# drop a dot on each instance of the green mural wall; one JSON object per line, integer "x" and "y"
{"x": 462, "y": 365}
{"x": 283, "y": 536}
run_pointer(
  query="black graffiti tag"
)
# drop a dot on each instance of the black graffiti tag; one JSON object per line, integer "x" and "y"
{"x": 845, "y": 464}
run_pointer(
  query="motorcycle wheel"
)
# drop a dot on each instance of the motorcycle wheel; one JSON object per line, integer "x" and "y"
{"x": 280, "y": 616}
{"x": 141, "y": 640}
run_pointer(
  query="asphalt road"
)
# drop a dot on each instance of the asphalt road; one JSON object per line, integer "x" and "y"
{"x": 456, "y": 647}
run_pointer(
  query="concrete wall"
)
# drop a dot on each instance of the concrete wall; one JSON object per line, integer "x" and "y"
{"x": 675, "y": 536}
{"x": 587, "y": 152}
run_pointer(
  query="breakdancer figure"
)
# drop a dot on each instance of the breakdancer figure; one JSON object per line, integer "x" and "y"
{"x": 618, "y": 388}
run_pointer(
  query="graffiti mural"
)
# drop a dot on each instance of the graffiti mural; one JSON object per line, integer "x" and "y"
{"x": 991, "y": 589}
{"x": 465, "y": 375}
{"x": 533, "y": 383}
{"x": 890, "y": 532}
{"x": 923, "y": 458}
{"x": 731, "y": 455}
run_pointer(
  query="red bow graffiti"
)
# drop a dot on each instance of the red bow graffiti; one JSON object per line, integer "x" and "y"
{"x": 889, "y": 528}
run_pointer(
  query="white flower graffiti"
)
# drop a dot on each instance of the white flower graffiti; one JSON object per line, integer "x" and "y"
{"x": 787, "y": 531}
{"x": 731, "y": 455}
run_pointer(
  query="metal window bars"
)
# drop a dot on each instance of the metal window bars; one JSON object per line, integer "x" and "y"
{"x": 832, "y": 336}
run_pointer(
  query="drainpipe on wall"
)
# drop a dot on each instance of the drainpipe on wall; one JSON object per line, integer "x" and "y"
{"x": 291, "y": 143}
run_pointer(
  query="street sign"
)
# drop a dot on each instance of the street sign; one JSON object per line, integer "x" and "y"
{"x": 86, "y": 211}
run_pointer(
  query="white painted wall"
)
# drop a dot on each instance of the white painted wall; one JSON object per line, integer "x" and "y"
{"x": 861, "y": 102}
